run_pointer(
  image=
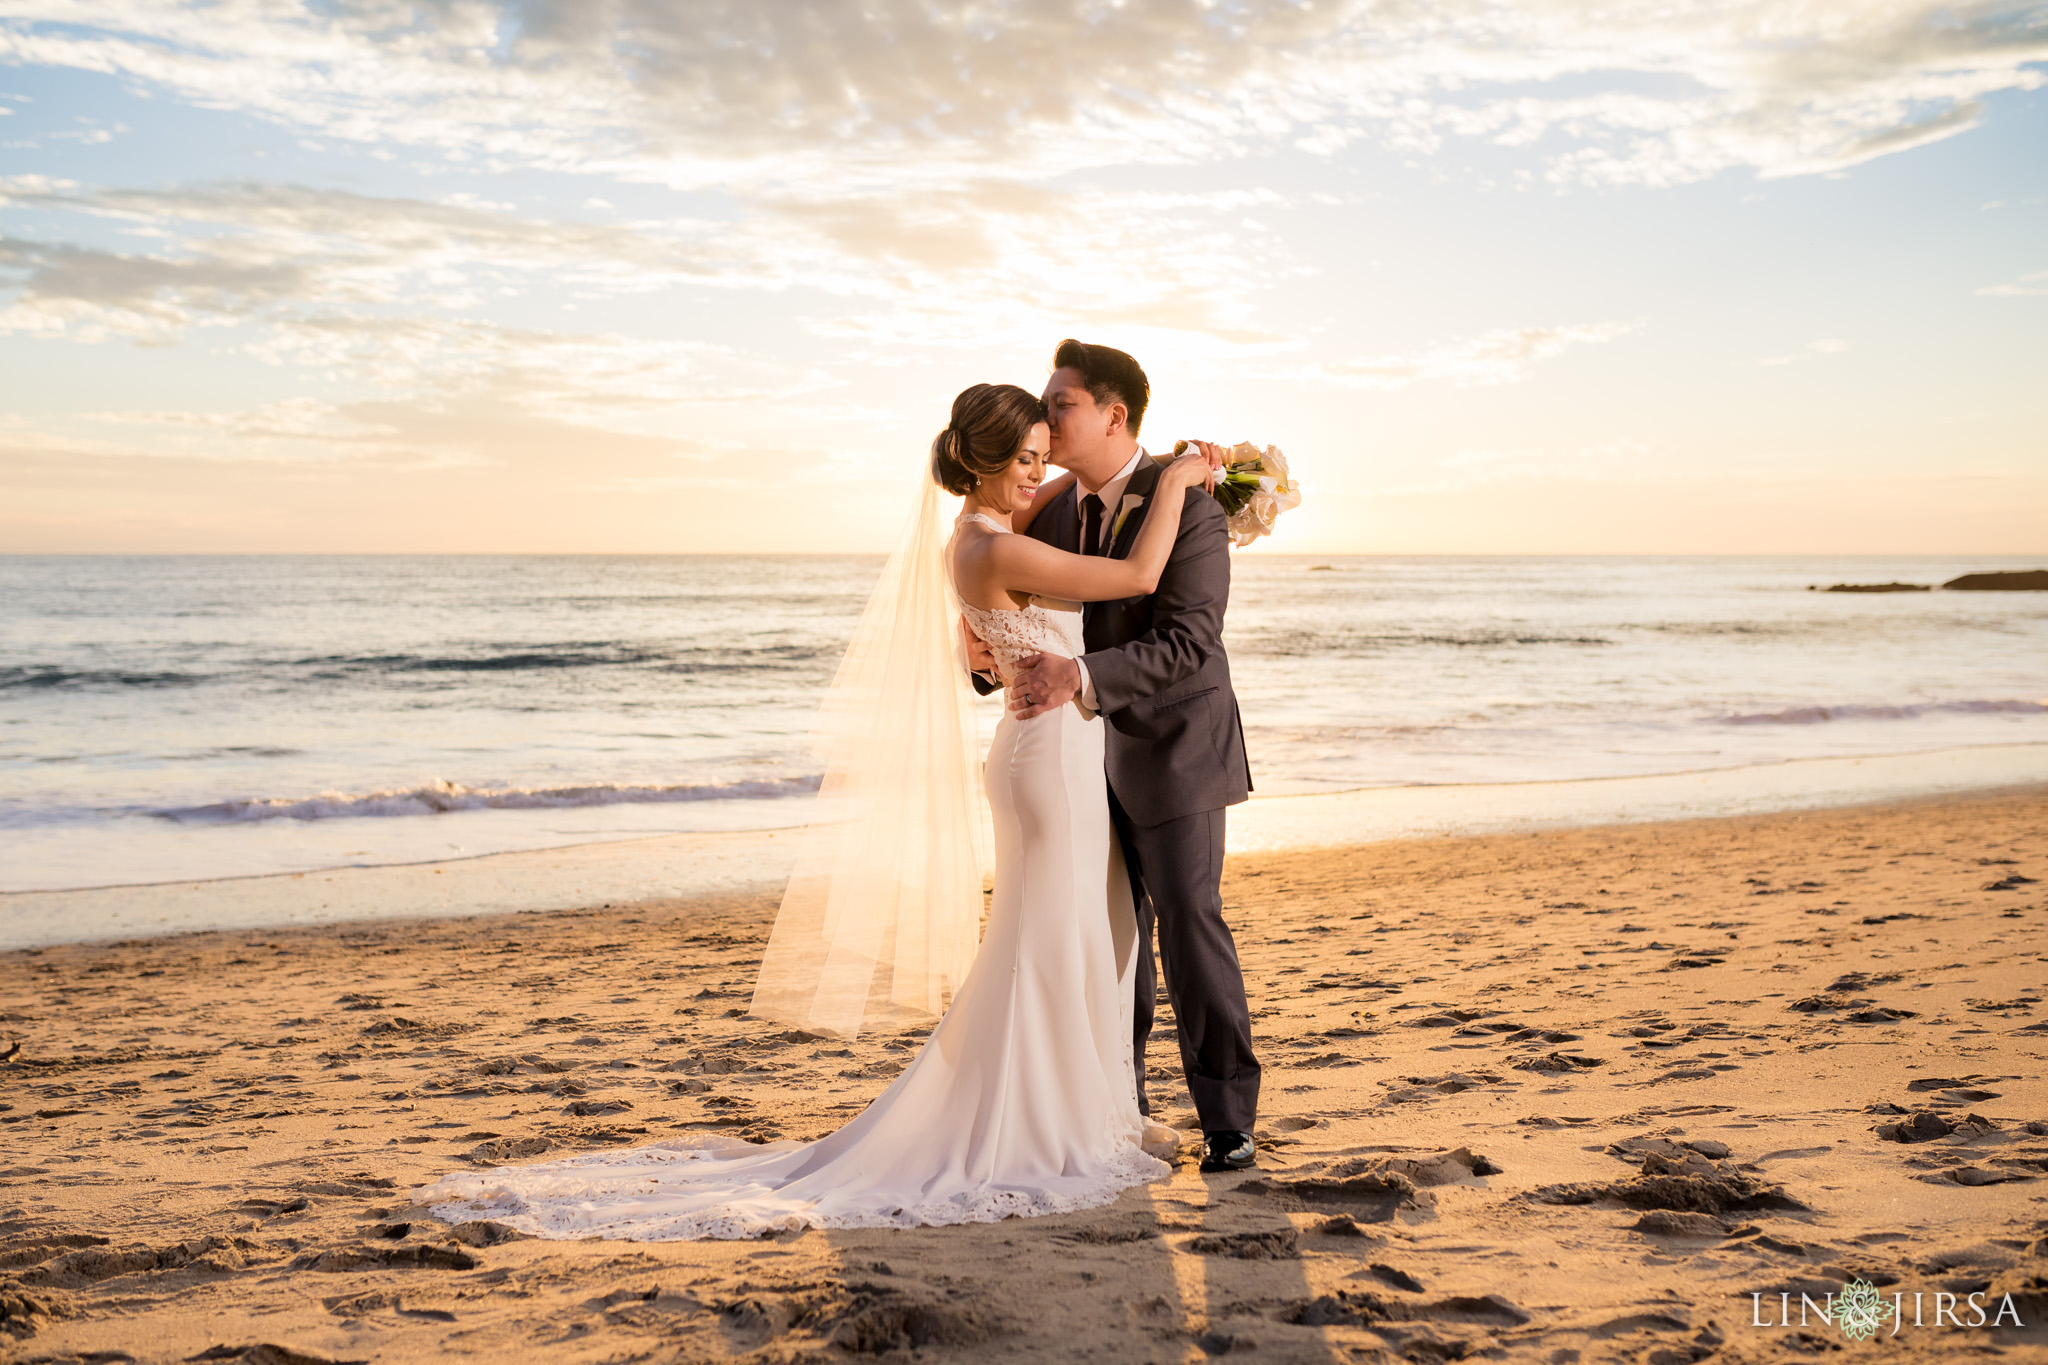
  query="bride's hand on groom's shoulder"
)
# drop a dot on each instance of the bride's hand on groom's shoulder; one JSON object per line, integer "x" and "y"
{"x": 1201, "y": 463}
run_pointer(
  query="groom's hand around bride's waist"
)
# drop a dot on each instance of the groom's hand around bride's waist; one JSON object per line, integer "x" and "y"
{"x": 1044, "y": 682}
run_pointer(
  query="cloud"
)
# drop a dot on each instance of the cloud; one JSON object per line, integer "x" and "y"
{"x": 377, "y": 300}
{"x": 384, "y": 318}
{"x": 895, "y": 157}
{"x": 834, "y": 99}
{"x": 1824, "y": 346}
{"x": 1607, "y": 462}
{"x": 972, "y": 262}
{"x": 374, "y": 240}
{"x": 91, "y": 295}
{"x": 488, "y": 426}
{"x": 1504, "y": 356}
{"x": 2034, "y": 282}
{"x": 360, "y": 318}
{"x": 692, "y": 91}
{"x": 906, "y": 176}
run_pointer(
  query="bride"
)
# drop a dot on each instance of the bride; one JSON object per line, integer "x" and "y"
{"x": 1023, "y": 1100}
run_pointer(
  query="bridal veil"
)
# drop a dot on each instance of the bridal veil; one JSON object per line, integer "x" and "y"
{"x": 882, "y": 914}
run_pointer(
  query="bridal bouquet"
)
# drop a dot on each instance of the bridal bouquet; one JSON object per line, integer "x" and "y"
{"x": 1254, "y": 489}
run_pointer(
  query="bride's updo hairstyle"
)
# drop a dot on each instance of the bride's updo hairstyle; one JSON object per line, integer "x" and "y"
{"x": 990, "y": 422}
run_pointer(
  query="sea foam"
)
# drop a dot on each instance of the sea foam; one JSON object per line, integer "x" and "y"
{"x": 439, "y": 798}
{"x": 1815, "y": 715}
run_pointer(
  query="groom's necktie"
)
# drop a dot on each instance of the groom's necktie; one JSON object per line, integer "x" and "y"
{"x": 1091, "y": 525}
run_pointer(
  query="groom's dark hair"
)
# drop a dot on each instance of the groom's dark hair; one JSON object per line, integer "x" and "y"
{"x": 1109, "y": 375}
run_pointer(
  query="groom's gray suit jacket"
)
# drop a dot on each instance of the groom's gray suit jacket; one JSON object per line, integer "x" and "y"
{"x": 1175, "y": 743}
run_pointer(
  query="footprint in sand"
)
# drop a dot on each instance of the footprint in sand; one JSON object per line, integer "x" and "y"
{"x": 1435, "y": 1087}
{"x": 1296, "y": 1123}
{"x": 1282, "y": 1244}
{"x": 1390, "y": 1275}
{"x": 1369, "y": 1189}
{"x": 1633, "y": 1150}
{"x": 1880, "y": 1014}
{"x": 1677, "y": 1223}
{"x": 1529, "y": 1035}
{"x": 1691, "y": 1183}
{"x": 1559, "y": 1063}
{"x": 1972, "y": 1176}
{"x": 1446, "y": 1019}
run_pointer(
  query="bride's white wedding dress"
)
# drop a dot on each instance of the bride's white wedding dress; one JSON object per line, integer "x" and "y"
{"x": 1022, "y": 1101}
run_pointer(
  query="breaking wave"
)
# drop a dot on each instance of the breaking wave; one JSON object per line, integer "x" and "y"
{"x": 402, "y": 669}
{"x": 1816, "y": 715}
{"x": 440, "y": 798}
{"x": 47, "y": 677}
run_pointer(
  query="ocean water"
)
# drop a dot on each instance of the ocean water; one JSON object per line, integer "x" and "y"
{"x": 176, "y": 718}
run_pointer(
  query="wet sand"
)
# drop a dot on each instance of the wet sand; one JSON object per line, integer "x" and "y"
{"x": 1567, "y": 1096}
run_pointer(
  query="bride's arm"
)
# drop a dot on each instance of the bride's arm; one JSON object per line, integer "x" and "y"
{"x": 1022, "y": 517}
{"x": 1023, "y": 565}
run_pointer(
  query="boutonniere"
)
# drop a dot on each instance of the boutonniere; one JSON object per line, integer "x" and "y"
{"x": 1131, "y": 503}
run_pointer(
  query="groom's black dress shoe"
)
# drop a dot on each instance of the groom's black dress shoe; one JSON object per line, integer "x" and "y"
{"x": 1229, "y": 1151}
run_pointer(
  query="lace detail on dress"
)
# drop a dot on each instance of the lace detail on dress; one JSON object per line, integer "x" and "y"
{"x": 590, "y": 1196}
{"x": 1012, "y": 635}
{"x": 1047, "y": 626}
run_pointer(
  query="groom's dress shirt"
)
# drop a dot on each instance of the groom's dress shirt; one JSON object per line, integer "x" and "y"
{"x": 1111, "y": 494}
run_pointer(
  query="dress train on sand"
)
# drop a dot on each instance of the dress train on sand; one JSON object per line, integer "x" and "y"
{"x": 1023, "y": 1101}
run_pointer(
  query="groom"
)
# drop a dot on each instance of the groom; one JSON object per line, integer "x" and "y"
{"x": 1174, "y": 752}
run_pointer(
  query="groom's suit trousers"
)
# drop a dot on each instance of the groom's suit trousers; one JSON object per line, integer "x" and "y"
{"x": 1175, "y": 870}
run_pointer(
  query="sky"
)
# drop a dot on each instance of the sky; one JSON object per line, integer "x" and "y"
{"x": 661, "y": 276}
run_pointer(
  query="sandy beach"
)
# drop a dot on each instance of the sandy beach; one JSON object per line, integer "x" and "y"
{"x": 1575, "y": 1095}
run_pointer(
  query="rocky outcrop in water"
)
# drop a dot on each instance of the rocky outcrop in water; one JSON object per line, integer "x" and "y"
{"x": 2022, "y": 580}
